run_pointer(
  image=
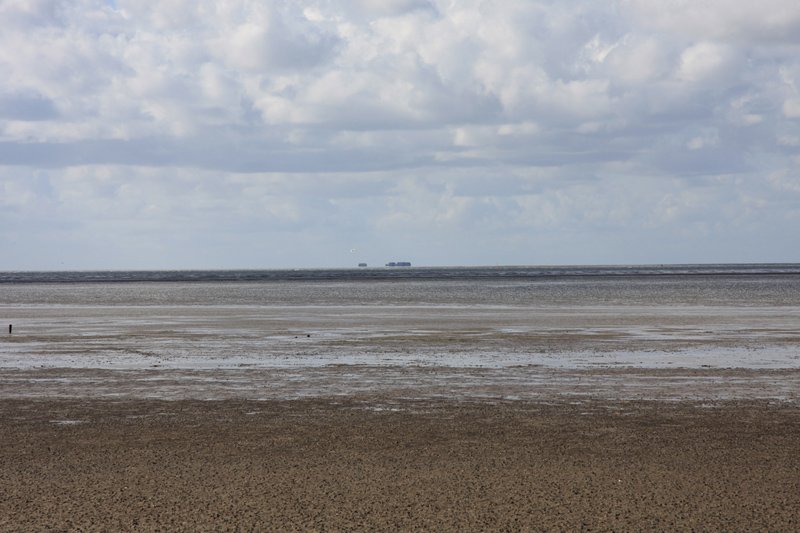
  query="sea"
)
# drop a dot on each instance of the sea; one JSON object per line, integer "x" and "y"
{"x": 511, "y": 332}
{"x": 403, "y": 273}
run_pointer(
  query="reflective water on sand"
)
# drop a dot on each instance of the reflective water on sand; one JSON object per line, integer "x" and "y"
{"x": 491, "y": 336}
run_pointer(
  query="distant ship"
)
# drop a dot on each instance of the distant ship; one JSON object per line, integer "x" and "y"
{"x": 398, "y": 264}
{"x": 362, "y": 265}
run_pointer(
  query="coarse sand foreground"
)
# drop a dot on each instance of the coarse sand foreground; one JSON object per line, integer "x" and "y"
{"x": 369, "y": 464}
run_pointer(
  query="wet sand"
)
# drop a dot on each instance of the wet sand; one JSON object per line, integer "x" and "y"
{"x": 371, "y": 463}
{"x": 400, "y": 383}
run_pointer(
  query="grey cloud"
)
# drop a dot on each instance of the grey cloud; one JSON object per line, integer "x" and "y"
{"x": 281, "y": 39}
{"x": 243, "y": 156}
{"x": 27, "y": 107}
{"x": 680, "y": 161}
{"x": 32, "y": 13}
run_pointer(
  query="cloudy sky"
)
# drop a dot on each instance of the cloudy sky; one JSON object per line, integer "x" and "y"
{"x": 322, "y": 133}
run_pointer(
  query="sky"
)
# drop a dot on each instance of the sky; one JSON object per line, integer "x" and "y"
{"x": 192, "y": 134}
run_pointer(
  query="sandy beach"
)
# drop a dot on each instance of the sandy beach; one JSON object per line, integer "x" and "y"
{"x": 370, "y": 463}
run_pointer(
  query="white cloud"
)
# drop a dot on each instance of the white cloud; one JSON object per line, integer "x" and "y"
{"x": 791, "y": 108}
{"x": 705, "y": 139}
{"x": 639, "y": 59}
{"x": 457, "y": 126}
{"x": 385, "y": 8}
{"x": 706, "y": 61}
{"x": 768, "y": 20}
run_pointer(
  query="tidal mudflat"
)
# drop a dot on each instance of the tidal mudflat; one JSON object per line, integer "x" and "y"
{"x": 587, "y": 403}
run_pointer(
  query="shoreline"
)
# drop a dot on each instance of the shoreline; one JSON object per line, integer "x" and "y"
{"x": 399, "y": 383}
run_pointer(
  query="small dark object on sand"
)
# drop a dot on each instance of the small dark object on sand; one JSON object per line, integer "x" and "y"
{"x": 10, "y": 326}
